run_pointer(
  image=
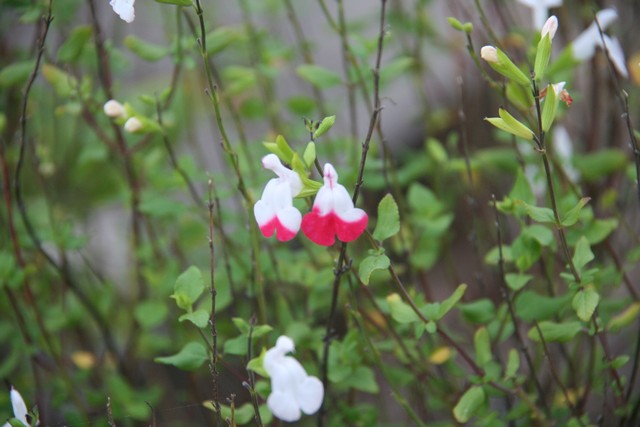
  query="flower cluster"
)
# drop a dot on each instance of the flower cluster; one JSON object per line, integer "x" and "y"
{"x": 292, "y": 390}
{"x": 333, "y": 213}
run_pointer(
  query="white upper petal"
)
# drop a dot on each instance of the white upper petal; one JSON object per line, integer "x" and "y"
{"x": 273, "y": 163}
{"x": 332, "y": 197}
{"x": 19, "y": 407}
{"x": 310, "y": 393}
{"x": 617, "y": 55}
{"x": 124, "y": 9}
{"x": 584, "y": 46}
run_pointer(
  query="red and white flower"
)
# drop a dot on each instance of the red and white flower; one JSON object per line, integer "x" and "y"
{"x": 275, "y": 212}
{"x": 292, "y": 390}
{"x": 333, "y": 213}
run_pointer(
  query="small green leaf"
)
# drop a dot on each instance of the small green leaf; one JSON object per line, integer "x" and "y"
{"x": 72, "y": 48}
{"x": 147, "y": 51}
{"x": 273, "y": 147}
{"x": 531, "y": 306}
{"x": 549, "y": 107}
{"x": 309, "y": 155}
{"x": 318, "y": 76}
{"x": 200, "y": 318}
{"x": 449, "y": 303}
{"x": 555, "y": 332}
{"x": 582, "y": 254}
{"x": 257, "y": 365}
{"x": 242, "y": 325}
{"x": 517, "y": 281}
{"x": 544, "y": 215}
{"x": 401, "y": 311}
{"x": 585, "y": 302}
{"x": 188, "y": 287}
{"x": 64, "y": 84}
{"x": 388, "y": 219}
{"x": 16, "y": 73}
{"x": 513, "y": 364}
{"x": 455, "y": 24}
{"x": 572, "y": 216}
{"x": 619, "y": 361}
{"x": 222, "y": 37}
{"x": 482, "y": 346}
{"x": 324, "y": 126}
{"x": 371, "y": 264}
{"x": 190, "y": 358}
{"x": 363, "y": 379}
{"x": 625, "y": 318}
{"x": 469, "y": 403}
{"x": 284, "y": 148}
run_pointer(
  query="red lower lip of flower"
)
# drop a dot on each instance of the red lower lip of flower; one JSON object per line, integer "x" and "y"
{"x": 283, "y": 234}
{"x": 322, "y": 229}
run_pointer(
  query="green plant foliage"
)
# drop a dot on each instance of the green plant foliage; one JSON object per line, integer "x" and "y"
{"x": 388, "y": 219}
{"x": 469, "y": 403}
{"x": 190, "y": 358}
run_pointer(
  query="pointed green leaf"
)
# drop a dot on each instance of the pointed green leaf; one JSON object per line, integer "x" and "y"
{"x": 513, "y": 364}
{"x": 469, "y": 403}
{"x": 72, "y": 48}
{"x": 371, "y": 264}
{"x": 555, "y": 332}
{"x": 200, "y": 318}
{"x": 517, "y": 281}
{"x": 309, "y": 155}
{"x": 324, "y": 126}
{"x": 585, "y": 302}
{"x": 544, "y": 215}
{"x": 625, "y": 318}
{"x": 284, "y": 148}
{"x": 449, "y": 303}
{"x": 318, "y": 76}
{"x": 388, "y": 219}
{"x": 147, "y": 51}
{"x": 572, "y": 216}
{"x": 176, "y": 2}
{"x": 401, "y": 311}
{"x": 517, "y": 128}
{"x": 257, "y": 365}
{"x": 16, "y": 73}
{"x": 190, "y": 358}
{"x": 582, "y": 254}
{"x": 482, "y": 346}
{"x": 188, "y": 287}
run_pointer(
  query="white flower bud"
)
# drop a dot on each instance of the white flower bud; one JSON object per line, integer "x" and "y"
{"x": 489, "y": 54}
{"x": 550, "y": 27}
{"x": 133, "y": 125}
{"x": 113, "y": 108}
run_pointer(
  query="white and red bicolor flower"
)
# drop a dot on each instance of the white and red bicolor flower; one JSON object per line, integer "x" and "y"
{"x": 292, "y": 390}
{"x": 274, "y": 211}
{"x": 333, "y": 213}
{"x": 19, "y": 408}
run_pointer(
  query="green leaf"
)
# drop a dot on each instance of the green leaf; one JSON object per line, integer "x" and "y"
{"x": 625, "y": 318}
{"x": 517, "y": 128}
{"x": 147, "y": 51}
{"x": 531, "y": 306}
{"x": 238, "y": 346}
{"x": 595, "y": 166}
{"x": 371, "y": 264}
{"x": 482, "y": 346}
{"x": 517, "y": 281}
{"x": 479, "y": 311}
{"x": 318, "y": 76}
{"x": 449, "y": 303}
{"x": 222, "y": 37}
{"x": 401, "y": 311}
{"x": 176, "y": 2}
{"x": 72, "y": 48}
{"x": 242, "y": 325}
{"x": 544, "y": 215}
{"x": 582, "y": 254}
{"x": 571, "y": 217}
{"x": 301, "y": 105}
{"x": 324, "y": 126}
{"x": 585, "y": 302}
{"x": 150, "y": 313}
{"x": 469, "y": 403}
{"x": 190, "y": 358}
{"x": 549, "y": 108}
{"x": 388, "y": 219}
{"x": 513, "y": 364}
{"x": 257, "y": 365}
{"x": 363, "y": 379}
{"x": 188, "y": 287}
{"x": 455, "y": 24}
{"x": 284, "y": 148}
{"x": 555, "y": 332}
{"x": 200, "y": 318}
{"x": 309, "y": 155}
{"x": 395, "y": 68}
{"x": 64, "y": 84}
{"x": 16, "y": 73}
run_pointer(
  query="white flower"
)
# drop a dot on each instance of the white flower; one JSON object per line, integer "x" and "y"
{"x": 124, "y": 9}
{"x": 19, "y": 408}
{"x": 274, "y": 212}
{"x": 540, "y": 9}
{"x": 292, "y": 390}
{"x": 584, "y": 46}
{"x": 113, "y": 108}
{"x": 133, "y": 125}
